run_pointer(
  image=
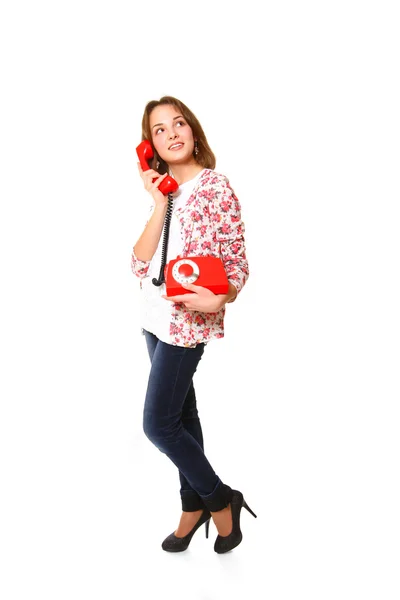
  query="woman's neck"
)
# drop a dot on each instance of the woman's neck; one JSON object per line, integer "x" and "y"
{"x": 184, "y": 173}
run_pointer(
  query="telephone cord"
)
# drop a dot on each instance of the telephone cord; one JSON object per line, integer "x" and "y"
{"x": 168, "y": 215}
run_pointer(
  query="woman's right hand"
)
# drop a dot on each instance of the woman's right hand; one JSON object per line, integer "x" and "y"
{"x": 152, "y": 187}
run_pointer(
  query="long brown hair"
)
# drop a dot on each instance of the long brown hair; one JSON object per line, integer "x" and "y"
{"x": 205, "y": 156}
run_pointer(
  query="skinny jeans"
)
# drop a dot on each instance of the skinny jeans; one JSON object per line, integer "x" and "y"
{"x": 171, "y": 422}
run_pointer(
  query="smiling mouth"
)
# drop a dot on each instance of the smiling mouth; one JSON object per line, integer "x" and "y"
{"x": 176, "y": 146}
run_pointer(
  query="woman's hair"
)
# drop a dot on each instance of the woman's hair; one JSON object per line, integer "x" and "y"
{"x": 205, "y": 156}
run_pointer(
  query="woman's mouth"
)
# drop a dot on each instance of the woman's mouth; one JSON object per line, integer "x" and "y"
{"x": 176, "y": 146}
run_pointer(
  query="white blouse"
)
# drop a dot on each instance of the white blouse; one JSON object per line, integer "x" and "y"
{"x": 156, "y": 311}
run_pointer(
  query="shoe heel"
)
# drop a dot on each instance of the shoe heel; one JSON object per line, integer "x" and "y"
{"x": 207, "y": 527}
{"x": 247, "y": 507}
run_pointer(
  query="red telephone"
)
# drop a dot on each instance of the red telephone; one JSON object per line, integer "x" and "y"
{"x": 207, "y": 271}
{"x": 145, "y": 152}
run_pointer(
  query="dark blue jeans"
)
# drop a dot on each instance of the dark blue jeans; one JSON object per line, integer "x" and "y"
{"x": 172, "y": 424}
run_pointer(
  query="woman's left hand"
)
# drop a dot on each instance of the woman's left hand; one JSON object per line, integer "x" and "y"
{"x": 202, "y": 299}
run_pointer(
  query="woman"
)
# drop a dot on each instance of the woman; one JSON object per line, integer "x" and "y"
{"x": 205, "y": 220}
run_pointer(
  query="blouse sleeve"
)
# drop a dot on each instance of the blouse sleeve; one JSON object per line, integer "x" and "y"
{"x": 230, "y": 231}
{"x": 140, "y": 267}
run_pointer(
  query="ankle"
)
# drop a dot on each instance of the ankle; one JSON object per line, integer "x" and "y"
{"x": 223, "y": 521}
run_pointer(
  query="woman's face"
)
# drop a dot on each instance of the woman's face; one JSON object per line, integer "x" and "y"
{"x": 171, "y": 135}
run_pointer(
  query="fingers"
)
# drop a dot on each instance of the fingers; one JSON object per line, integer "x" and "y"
{"x": 191, "y": 287}
{"x": 149, "y": 173}
{"x": 151, "y": 178}
{"x": 152, "y": 183}
{"x": 185, "y": 299}
{"x": 179, "y": 298}
{"x": 198, "y": 289}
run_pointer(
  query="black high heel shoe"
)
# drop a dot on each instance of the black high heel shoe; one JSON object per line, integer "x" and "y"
{"x": 178, "y": 544}
{"x": 225, "y": 543}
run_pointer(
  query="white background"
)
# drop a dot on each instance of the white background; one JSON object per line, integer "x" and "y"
{"x": 300, "y": 103}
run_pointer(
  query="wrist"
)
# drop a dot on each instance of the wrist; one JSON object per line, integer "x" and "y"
{"x": 232, "y": 293}
{"x": 161, "y": 207}
{"x": 230, "y": 296}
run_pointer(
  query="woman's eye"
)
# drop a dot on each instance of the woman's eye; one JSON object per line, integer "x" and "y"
{"x": 180, "y": 123}
{"x": 159, "y": 129}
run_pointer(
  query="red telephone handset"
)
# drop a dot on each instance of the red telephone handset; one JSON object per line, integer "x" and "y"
{"x": 145, "y": 152}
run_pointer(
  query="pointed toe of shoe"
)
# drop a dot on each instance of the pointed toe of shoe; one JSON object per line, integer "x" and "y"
{"x": 174, "y": 544}
{"x": 178, "y": 544}
{"x": 225, "y": 544}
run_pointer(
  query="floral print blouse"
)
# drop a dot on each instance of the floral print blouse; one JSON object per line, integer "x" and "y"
{"x": 211, "y": 226}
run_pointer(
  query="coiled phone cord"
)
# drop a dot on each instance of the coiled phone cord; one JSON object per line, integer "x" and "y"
{"x": 168, "y": 215}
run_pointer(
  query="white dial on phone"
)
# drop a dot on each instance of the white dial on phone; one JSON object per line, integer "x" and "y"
{"x": 185, "y": 271}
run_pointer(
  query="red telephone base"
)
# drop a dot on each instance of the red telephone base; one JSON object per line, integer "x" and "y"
{"x": 206, "y": 271}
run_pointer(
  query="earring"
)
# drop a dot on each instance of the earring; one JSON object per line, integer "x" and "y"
{"x": 157, "y": 165}
{"x": 196, "y": 147}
